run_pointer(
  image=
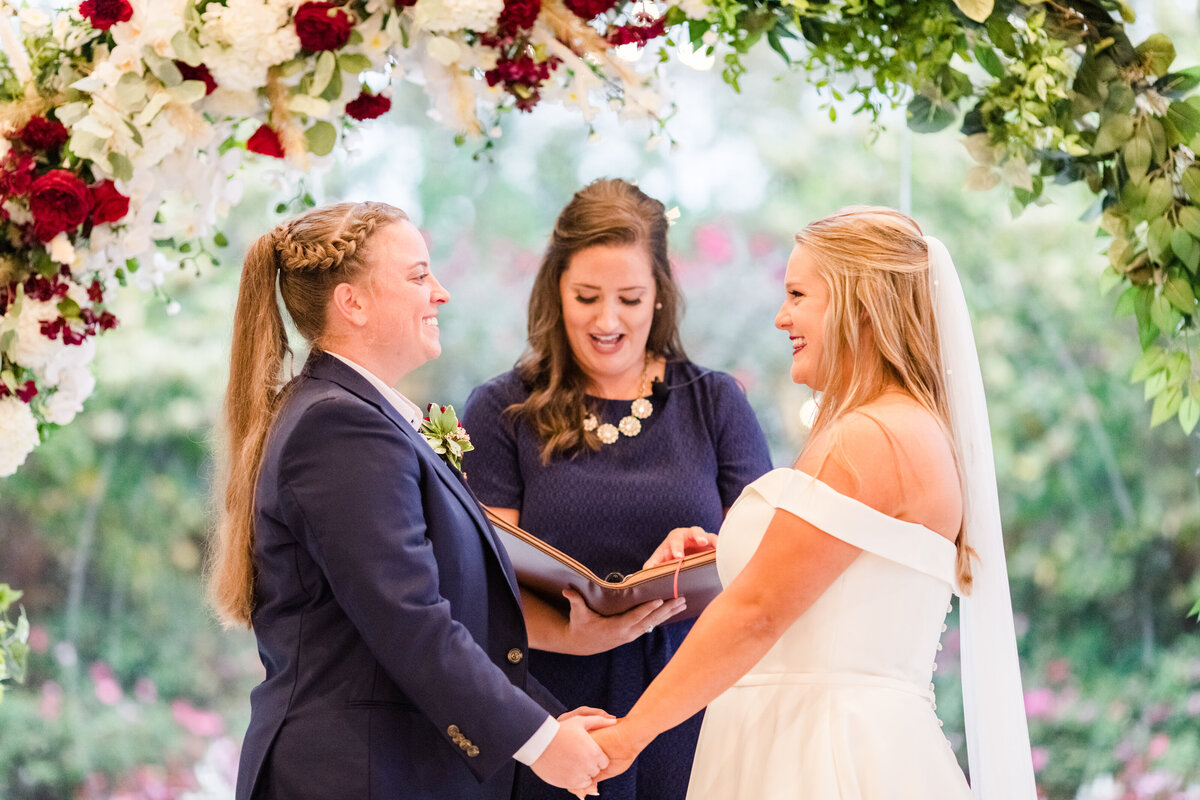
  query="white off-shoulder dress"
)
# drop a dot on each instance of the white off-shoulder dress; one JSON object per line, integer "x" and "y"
{"x": 842, "y": 706}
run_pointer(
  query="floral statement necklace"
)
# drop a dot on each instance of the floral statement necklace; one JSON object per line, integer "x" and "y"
{"x": 631, "y": 424}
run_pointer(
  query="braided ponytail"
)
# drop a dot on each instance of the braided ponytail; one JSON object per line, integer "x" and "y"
{"x": 307, "y": 256}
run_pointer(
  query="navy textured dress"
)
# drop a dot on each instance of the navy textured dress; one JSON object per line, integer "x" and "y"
{"x": 610, "y": 509}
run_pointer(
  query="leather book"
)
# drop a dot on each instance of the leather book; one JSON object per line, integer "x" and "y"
{"x": 546, "y": 571}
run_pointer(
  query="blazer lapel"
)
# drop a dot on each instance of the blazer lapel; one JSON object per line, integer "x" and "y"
{"x": 326, "y": 367}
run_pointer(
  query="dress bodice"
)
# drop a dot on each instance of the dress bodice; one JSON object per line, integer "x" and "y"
{"x": 883, "y": 616}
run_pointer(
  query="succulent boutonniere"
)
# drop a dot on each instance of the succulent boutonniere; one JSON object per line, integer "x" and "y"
{"x": 446, "y": 435}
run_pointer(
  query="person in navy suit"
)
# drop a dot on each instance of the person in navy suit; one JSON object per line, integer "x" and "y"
{"x": 386, "y": 612}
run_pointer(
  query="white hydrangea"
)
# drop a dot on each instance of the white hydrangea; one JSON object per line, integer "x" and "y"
{"x": 447, "y": 16}
{"x": 32, "y": 349}
{"x": 694, "y": 9}
{"x": 66, "y": 399}
{"x": 244, "y": 38}
{"x": 18, "y": 434}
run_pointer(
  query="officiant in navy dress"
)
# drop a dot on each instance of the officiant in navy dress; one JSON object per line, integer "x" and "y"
{"x": 602, "y": 440}
{"x": 386, "y": 613}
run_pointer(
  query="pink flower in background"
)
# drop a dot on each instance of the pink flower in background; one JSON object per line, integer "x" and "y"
{"x": 39, "y": 639}
{"x": 50, "y": 703}
{"x": 197, "y": 721}
{"x": 1159, "y": 744}
{"x": 1058, "y": 671}
{"x": 145, "y": 691}
{"x": 1041, "y": 757}
{"x": 1039, "y": 703}
{"x": 762, "y": 244}
{"x": 108, "y": 691}
{"x": 714, "y": 243}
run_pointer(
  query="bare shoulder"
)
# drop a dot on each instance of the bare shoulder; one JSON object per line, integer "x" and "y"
{"x": 893, "y": 455}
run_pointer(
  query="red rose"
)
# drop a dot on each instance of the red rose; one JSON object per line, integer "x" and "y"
{"x": 519, "y": 15}
{"x": 265, "y": 141}
{"x": 103, "y": 14}
{"x": 59, "y": 202}
{"x": 44, "y": 135}
{"x": 109, "y": 204}
{"x": 323, "y": 26}
{"x": 198, "y": 73}
{"x": 16, "y": 174}
{"x": 368, "y": 106}
{"x": 588, "y": 9}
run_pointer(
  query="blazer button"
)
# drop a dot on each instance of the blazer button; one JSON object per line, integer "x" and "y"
{"x": 472, "y": 751}
{"x": 453, "y": 732}
{"x": 515, "y": 655}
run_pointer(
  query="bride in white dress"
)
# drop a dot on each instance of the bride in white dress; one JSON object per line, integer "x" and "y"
{"x": 815, "y": 662}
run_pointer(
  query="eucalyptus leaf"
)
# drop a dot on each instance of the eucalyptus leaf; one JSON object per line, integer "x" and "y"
{"x": 1158, "y": 239}
{"x": 1189, "y": 220}
{"x": 321, "y": 138}
{"x": 353, "y": 63}
{"x": 122, "y": 167}
{"x": 1159, "y": 197}
{"x": 187, "y": 49}
{"x": 1158, "y": 138}
{"x": 326, "y": 64}
{"x": 1191, "y": 183}
{"x": 188, "y": 92}
{"x": 129, "y": 91}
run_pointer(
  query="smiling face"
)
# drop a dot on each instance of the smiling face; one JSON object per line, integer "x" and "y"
{"x": 802, "y": 317}
{"x": 608, "y": 295}
{"x": 400, "y": 299}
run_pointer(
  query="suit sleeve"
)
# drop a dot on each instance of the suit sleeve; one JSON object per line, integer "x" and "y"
{"x": 355, "y": 487}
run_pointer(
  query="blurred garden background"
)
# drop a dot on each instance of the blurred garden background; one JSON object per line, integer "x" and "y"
{"x": 133, "y": 689}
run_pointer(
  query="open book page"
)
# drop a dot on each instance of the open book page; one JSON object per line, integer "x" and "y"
{"x": 546, "y": 570}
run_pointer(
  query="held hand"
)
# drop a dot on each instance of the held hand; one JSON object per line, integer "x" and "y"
{"x": 589, "y": 633}
{"x": 573, "y": 759}
{"x": 618, "y": 746}
{"x": 682, "y": 542}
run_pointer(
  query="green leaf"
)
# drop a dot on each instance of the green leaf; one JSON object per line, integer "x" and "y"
{"x": 1178, "y": 290}
{"x": 121, "y": 166}
{"x": 976, "y": 10}
{"x": 1166, "y": 405}
{"x": 353, "y": 63}
{"x": 129, "y": 91}
{"x": 326, "y": 63}
{"x": 987, "y": 58}
{"x": 1155, "y": 384}
{"x": 1158, "y": 138}
{"x": 1159, "y": 197}
{"x": 1189, "y": 220}
{"x": 1185, "y": 118}
{"x": 926, "y": 116}
{"x": 321, "y": 138}
{"x": 1189, "y": 414}
{"x": 1114, "y": 132}
{"x": 1136, "y": 154}
{"x": 1158, "y": 239}
{"x": 220, "y": 239}
{"x": 1162, "y": 313}
{"x": 1156, "y": 53}
{"x": 188, "y": 92}
{"x": 187, "y": 49}
{"x": 1177, "y": 84}
{"x": 1148, "y": 363}
{"x": 1108, "y": 279}
{"x": 1126, "y": 304}
{"x": 1191, "y": 183}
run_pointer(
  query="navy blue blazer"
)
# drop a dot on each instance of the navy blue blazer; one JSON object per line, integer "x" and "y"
{"x": 386, "y": 613}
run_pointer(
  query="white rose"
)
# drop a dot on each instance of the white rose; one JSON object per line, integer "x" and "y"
{"x": 18, "y": 434}
{"x": 74, "y": 386}
{"x": 61, "y": 249}
{"x": 32, "y": 348}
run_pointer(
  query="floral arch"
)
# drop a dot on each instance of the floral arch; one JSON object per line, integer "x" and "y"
{"x": 98, "y": 101}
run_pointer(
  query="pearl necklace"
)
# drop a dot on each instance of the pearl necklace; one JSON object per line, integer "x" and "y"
{"x": 631, "y": 424}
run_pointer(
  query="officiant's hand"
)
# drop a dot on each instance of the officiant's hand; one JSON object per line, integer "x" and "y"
{"x": 588, "y": 633}
{"x": 682, "y": 542}
{"x": 573, "y": 760}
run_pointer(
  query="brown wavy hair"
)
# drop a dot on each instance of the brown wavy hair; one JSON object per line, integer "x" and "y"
{"x": 875, "y": 263}
{"x": 305, "y": 258}
{"x": 605, "y": 212}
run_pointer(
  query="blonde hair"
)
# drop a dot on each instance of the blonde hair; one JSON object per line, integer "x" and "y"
{"x": 605, "y": 212}
{"x": 306, "y": 257}
{"x": 880, "y": 330}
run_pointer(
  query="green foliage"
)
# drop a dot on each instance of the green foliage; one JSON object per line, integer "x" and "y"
{"x": 1047, "y": 93}
{"x": 14, "y": 639}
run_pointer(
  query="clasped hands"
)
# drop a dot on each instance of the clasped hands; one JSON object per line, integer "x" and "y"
{"x": 591, "y": 745}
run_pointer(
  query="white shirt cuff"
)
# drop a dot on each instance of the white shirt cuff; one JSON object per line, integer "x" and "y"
{"x": 532, "y": 750}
